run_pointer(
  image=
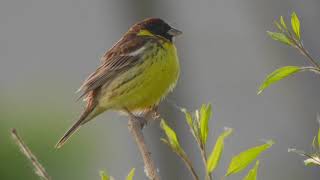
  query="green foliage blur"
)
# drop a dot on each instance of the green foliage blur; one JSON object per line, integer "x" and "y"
{"x": 40, "y": 127}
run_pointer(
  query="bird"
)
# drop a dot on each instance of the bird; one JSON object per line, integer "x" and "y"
{"x": 134, "y": 76}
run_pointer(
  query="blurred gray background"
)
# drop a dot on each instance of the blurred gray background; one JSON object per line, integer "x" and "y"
{"x": 47, "y": 48}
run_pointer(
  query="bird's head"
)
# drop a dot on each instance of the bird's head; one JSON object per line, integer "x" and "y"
{"x": 155, "y": 27}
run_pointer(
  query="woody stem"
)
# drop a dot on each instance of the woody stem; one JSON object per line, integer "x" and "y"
{"x": 135, "y": 125}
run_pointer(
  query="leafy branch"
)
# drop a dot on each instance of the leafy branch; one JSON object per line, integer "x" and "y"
{"x": 291, "y": 37}
{"x": 198, "y": 123}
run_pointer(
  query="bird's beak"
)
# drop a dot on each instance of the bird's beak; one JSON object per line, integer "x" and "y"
{"x": 174, "y": 32}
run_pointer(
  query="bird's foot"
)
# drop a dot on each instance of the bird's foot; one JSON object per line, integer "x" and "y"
{"x": 155, "y": 113}
{"x": 152, "y": 113}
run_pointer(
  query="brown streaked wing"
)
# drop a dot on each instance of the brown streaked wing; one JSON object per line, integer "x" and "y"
{"x": 115, "y": 61}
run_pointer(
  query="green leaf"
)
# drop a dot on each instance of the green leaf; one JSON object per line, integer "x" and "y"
{"x": 205, "y": 115}
{"x": 215, "y": 155}
{"x": 318, "y": 138}
{"x": 295, "y": 24}
{"x": 315, "y": 142}
{"x": 280, "y": 28}
{"x": 171, "y": 136}
{"x": 243, "y": 159}
{"x": 131, "y": 174}
{"x": 278, "y": 75}
{"x": 280, "y": 37}
{"x": 189, "y": 120}
{"x": 104, "y": 175}
{"x": 196, "y": 124}
{"x": 252, "y": 175}
{"x": 193, "y": 125}
{"x": 283, "y": 24}
{"x": 188, "y": 117}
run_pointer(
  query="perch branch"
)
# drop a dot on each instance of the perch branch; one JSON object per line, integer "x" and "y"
{"x": 135, "y": 125}
{"x": 39, "y": 169}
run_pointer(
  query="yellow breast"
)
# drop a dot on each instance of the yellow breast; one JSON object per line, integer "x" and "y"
{"x": 147, "y": 83}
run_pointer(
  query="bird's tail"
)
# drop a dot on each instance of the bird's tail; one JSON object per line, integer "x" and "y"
{"x": 86, "y": 116}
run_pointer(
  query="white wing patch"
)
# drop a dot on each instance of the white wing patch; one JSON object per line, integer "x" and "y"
{"x": 137, "y": 52}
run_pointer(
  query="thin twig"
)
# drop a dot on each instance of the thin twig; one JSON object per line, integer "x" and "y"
{"x": 190, "y": 167}
{"x": 204, "y": 160}
{"x": 186, "y": 161}
{"x": 302, "y": 153}
{"x": 39, "y": 169}
{"x": 309, "y": 57}
{"x": 135, "y": 127}
{"x": 311, "y": 68}
{"x": 298, "y": 44}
